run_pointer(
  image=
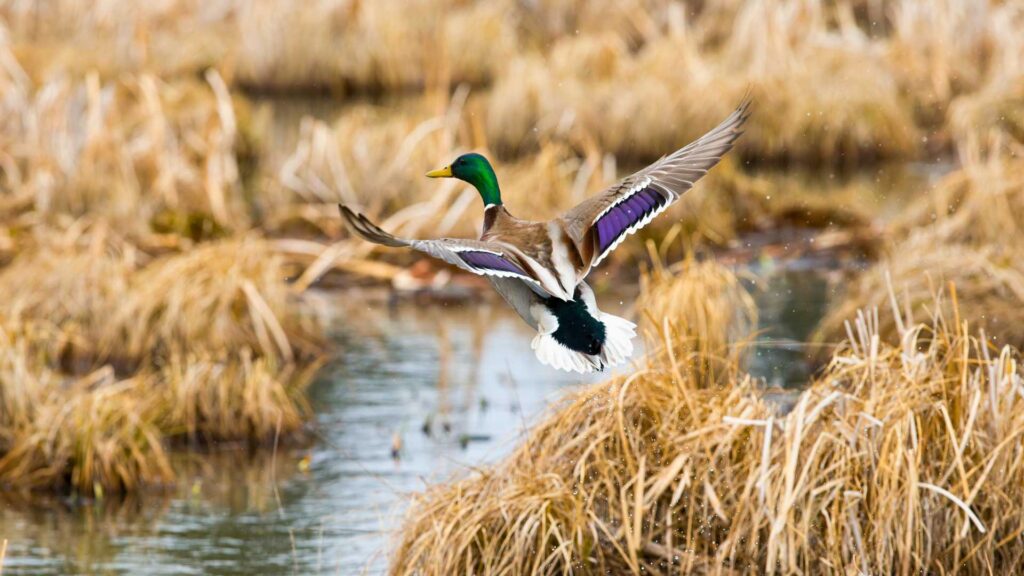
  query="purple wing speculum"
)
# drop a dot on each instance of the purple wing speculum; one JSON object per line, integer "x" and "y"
{"x": 489, "y": 261}
{"x": 626, "y": 214}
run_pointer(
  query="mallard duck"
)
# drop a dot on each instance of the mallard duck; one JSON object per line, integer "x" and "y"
{"x": 540, "y": 268}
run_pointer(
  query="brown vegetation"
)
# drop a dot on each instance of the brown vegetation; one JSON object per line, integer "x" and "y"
{"x": 899, "y": 457}
{"x": 965, "y": 230}
{"x": 207, "y": 341}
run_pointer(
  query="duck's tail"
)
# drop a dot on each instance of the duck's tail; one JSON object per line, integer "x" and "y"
{"x": 573, "y": 339}
{"x": 552, "y": 353}
{"x": 618, "y": 340}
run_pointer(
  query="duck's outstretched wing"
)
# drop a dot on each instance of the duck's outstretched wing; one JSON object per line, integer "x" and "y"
{"x": 602, "y": 222}
{"x": 476, "y": 256}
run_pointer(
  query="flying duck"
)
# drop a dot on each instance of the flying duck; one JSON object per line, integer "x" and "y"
{"x": 540, "y": 268}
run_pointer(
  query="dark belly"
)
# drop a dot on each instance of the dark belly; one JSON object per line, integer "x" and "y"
{"x": 577, "y": 329}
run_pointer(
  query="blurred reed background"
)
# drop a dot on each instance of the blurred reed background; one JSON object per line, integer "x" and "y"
{"x": 169, "y": 174}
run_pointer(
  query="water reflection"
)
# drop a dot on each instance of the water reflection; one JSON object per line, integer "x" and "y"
{"x": 790, "y": 302}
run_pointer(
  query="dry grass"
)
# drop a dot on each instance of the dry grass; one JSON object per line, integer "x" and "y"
{"x": 703, "y": 308}
{"x": 341, "y": 46}
{"x": 98, "y": 434}
{"x": 24, "y": 373}
{"x": 90, "y": 434}
{"x": 965, "y": 230}
{"x": 217, "y": 297}
{"x": 632, "y": 77}
{"x": 151, "y": 158}
{"x": 998, "y": 102}
{"x": 979, "y": 204}
{"x": 330, "y": 45}
{"x": 77, "y": 288}
{"x": 373, "y": 156}
{"x": 899, "y": 458}
{"x": 208, "y": 346}
{"x": 236, "y": 397}
{"x": 132, "y": 178}
{"x": 990, "y": 284}
{"x": 640, "y": 104}
{"x": 97, "y": 437}
{"x": 959, "y": 63}
{"x": 235, "y": 296}
{"x": 116, "y": 188}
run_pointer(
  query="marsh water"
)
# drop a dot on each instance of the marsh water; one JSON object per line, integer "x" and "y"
{"x": 447, "y": 387}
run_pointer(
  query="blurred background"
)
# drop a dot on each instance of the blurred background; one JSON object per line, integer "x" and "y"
{"x": 202, "y": 372}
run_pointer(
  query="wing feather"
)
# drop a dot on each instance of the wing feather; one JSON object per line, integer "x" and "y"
{"x": 605, "y": 220}
{"x": 476, "y": 256}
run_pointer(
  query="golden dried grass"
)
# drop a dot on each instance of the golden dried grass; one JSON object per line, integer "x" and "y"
{"x": 234, "y": 397}
{"x": 898, "y": 458}
{"x": 148, "y": 156}
{"x": 98, "y": 434}
{"x": 989, "y": 281}
{"x": 998, "y": 102}
{"x": 958, "y": 63}
{"x": 364, "y": 46}
{"x": 92, "y": 434}
{"x": 967, "y": 230}
{"x": 703, "y": 309}
{"x": 220, "y": 296}
{"x": 633, "y": 76}
{"x": 641, "y": 104}
{"x": 129, "y": 307}
{"x": 208, "y": 346}
{"x": 76, "y": 288}
{"x": 979, "y": 204}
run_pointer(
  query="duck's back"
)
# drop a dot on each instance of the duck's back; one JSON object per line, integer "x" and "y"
{"x": 546, "y": 243}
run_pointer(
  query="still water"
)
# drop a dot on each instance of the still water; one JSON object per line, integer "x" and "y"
{"x": 447, "y": 387}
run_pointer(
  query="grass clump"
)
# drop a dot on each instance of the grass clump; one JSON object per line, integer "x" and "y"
{"x": 703, "y": 309}
{"x": 204, "y": 346}
{"x": 235, "y": 296}
{"x": 979, "y": 204}
{"x": 965, "y": 230}
{"x": 640, "y": 104}
{"x": 78, "y": 288}
{"x": 342, "y": 47}
{"x": 122, "y": 305}
{"x": 907, "y": 77}
{"x": 899, "y": 457}
{"x": 240, "y": 396}
{"x": 91, "y": 434}
{"x": 98, "y": 436}
{"x": 989, "y": 281}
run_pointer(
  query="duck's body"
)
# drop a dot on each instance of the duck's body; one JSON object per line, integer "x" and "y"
{"x": 539, "y": 267}
{"x": 572, "y": 334}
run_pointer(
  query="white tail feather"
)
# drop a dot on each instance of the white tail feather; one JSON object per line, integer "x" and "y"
{"x": 553, "y": 354}
{"x": 618, "y": 346}
{"x": 618, "y": 339}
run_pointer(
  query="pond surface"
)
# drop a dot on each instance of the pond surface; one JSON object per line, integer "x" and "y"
{"x": 449, "y": 387}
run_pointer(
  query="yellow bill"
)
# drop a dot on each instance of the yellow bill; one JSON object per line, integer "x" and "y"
{"x": 445, "y": 172}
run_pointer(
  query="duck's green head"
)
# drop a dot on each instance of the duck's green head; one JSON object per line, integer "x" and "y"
{"x": 476, "y": 170}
